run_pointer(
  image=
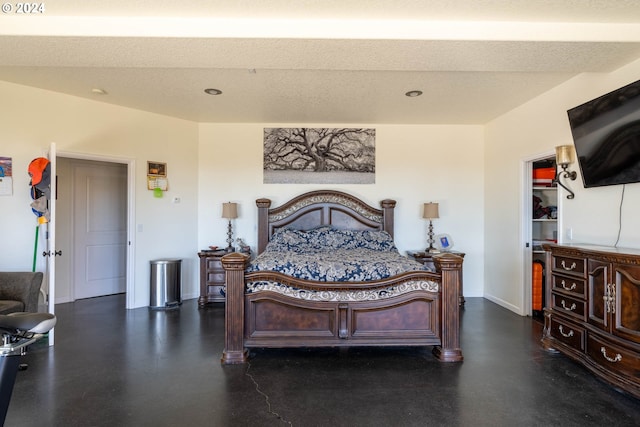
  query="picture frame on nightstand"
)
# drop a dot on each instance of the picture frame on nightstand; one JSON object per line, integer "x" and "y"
{"x": 443, "y": 242}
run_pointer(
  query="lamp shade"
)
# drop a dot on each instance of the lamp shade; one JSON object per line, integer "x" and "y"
{"x": 563, "y": 155}
{"x": 430, "y": 210}
{"x": 230, "y": 210}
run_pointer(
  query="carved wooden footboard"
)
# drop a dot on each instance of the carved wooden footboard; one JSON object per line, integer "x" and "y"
{"x": 417, "y": 308}
{"x": 426, "y": 314}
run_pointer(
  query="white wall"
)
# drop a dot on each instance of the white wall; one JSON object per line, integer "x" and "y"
{"x": 534, "y": 128}
{"x": 414, "y": 164}
{"x": 32, "y": 118}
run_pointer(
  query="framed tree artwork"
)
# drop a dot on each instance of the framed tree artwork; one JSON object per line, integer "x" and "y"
{"x": 319, "y": 156}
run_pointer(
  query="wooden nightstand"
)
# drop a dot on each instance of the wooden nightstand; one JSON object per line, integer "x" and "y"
{"x": 427, "y": 259}
{"x": 212, "y": 277}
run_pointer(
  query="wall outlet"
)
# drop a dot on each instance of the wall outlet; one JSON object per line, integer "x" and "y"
{"x": 569, "y": 233}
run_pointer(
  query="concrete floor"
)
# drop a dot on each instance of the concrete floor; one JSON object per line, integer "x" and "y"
{"x": 116, "y": 367}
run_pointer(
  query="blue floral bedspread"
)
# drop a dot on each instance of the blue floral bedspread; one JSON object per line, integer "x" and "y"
{"x": 326, "y": 254}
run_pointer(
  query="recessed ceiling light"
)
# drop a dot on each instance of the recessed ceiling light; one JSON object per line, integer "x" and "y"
{"x": 413, "y": 93}
{"x": 98, "y": 91}
{"x": 211, "y": 91}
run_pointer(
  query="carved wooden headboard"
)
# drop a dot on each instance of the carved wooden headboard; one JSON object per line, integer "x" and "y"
{"x": 322, "y": 207}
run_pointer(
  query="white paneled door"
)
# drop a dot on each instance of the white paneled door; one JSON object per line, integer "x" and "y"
{"x": 100, "y": 228}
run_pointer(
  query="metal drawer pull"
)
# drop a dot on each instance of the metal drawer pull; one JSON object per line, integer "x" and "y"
{"x": 573, "y": 266}
{"x": 569, "y": 335}
{"x": 564, "y": 286}
{"x": 614, "y": 360}
{"x": 573, "y": 306}
{"x": 610, "y": 298}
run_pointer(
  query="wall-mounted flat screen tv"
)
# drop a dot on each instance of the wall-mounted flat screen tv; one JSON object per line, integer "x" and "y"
{"x": 606, "y": 135}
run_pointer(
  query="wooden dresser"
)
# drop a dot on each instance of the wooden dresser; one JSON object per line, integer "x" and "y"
{"x": 212, "y": 277}
{"x": 592, "y": 312}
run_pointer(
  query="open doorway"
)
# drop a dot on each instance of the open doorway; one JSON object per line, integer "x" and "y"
{"x": 91, "y": 228}
{"x": 539, "y": 225}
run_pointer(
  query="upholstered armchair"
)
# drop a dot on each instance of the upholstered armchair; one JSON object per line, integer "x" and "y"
{"x": 19, "y": 291}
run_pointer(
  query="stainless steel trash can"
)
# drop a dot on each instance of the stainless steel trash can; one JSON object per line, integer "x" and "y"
{"x": 166, "y": 283}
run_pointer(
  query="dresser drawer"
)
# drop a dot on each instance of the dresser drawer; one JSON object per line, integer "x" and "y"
{"x": 569, "y": 306}
{"x": 217, "y": 277}
{"x": 214, "y": 264}
{"x": 215, "y": 292}
{"x": 614, "y": 358}
{"x": 567, "y": 333}
{"x": 571, "y": 285}
{"x": 570, "y": 265}
{"x": 212, "y": 277}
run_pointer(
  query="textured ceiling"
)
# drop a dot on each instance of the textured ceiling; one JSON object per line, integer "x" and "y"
{"x": 312, "y": 61}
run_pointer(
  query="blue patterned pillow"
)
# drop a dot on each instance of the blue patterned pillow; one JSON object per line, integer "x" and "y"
{"x": 326, "y": 238}
{"x": 290, "y": 240}
{"x": 367, "y": 239}
{"x": 377, "y": 240}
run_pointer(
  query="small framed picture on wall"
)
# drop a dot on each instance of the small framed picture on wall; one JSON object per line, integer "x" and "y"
{"x": 156, "y": 169}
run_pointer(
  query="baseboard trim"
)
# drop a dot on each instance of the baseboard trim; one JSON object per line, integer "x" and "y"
{"x": 505, "y": 304}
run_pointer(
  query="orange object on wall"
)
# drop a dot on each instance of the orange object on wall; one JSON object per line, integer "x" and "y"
{"x": 536, "y": 291}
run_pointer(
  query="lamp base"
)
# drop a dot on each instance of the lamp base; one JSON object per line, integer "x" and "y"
{"x": 431, "y": 249}
{"x": 229, "y": 238}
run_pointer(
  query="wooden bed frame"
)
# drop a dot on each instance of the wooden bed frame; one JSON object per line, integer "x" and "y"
{"x": 269, "y": 319}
